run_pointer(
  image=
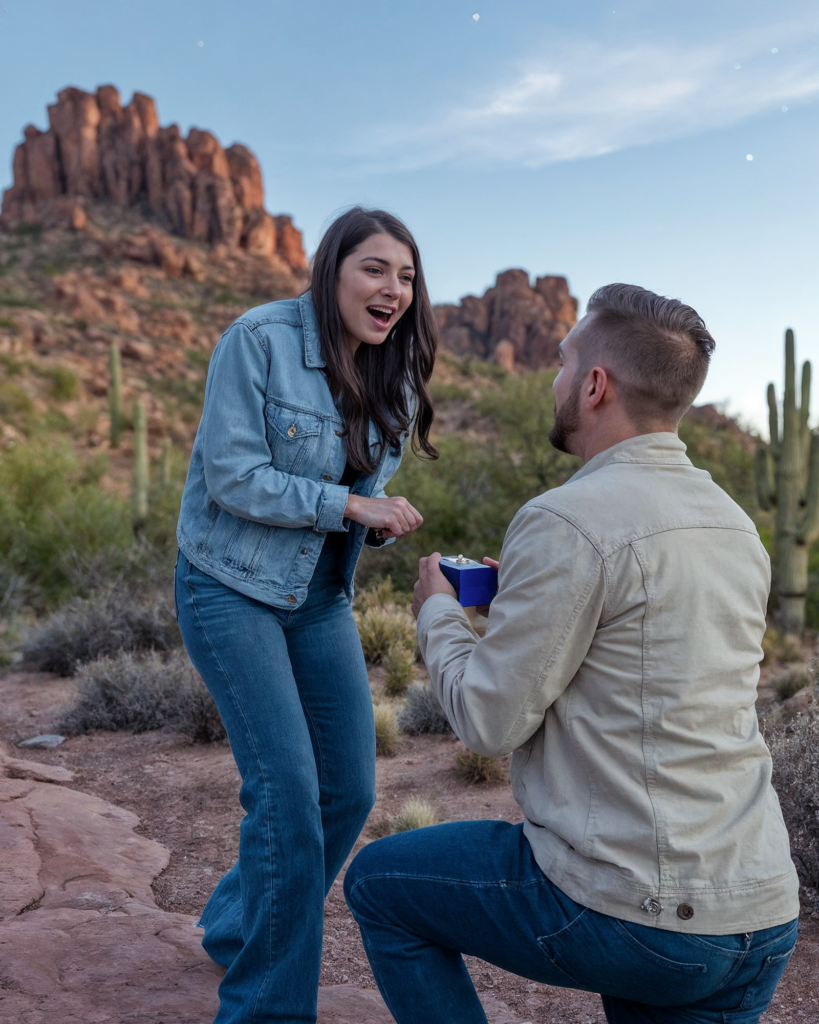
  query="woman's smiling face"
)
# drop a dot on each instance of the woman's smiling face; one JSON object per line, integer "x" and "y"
{"x": 374, "y": 289}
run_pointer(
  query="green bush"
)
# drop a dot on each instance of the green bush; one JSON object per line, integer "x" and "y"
{"x": 64, "y": 383}
{"x": 96, "y": 627}
{"x": 791, "y": 682}
{"x": 53, "y": 518}
{"x": 9, "y": 298}
{"x": 136, "y": 693}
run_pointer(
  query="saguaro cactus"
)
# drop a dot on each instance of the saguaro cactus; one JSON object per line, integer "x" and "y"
{"x": 115, "y": 392}
{"x": 139, "y": 493}
{"x": 788, "y": 479}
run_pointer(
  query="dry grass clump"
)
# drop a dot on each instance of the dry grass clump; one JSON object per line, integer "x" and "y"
{"x": 387, "y": 734}
{"x": 794, "y": 747}
{"x": 782, "y": 647}
{"x": 97, "y": 627}
{"x": 421, "y": 712}
{"x": 399, "y": 669}
{"x": 788, "y": 683}
{"x": 478, "y": 769}
{"x": 383, "y": 623}
{"x": 383, "y": 628}
{"x": 415, "y": 812}
{"x": 135, "y": 693}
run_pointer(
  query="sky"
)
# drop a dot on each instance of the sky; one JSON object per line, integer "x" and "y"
{"x": 672, "y": 144}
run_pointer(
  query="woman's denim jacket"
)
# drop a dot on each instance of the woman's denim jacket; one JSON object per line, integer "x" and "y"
{"x": 262, "y": 491}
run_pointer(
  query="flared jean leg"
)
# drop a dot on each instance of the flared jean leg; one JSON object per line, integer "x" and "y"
{"x": 264, "y": 920}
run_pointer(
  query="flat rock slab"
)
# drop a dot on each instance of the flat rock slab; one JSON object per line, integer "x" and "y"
{"x": 82, "y": 940}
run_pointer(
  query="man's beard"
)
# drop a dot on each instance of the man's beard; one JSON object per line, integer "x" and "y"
{"x": 567, "y": 418}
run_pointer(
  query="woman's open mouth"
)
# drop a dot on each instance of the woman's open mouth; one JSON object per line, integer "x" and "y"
{"x": 382, "y": 315}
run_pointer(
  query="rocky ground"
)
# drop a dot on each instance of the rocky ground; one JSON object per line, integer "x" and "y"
{"x": 112, "y": 844}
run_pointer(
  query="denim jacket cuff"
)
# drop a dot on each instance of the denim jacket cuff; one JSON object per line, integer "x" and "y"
{"x": 330, "y": 518}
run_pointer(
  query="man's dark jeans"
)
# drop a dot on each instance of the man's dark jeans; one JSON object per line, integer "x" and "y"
{"x": 423, "y": 898}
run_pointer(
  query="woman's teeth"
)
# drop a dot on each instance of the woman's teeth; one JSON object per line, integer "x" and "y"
{"x": 380, "y": 313}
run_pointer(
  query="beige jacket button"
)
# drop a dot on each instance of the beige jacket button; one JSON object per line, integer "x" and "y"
{"x": 292, "y": 431}
{"x": 685, "y": 911}
{"x": 291, "y": 599}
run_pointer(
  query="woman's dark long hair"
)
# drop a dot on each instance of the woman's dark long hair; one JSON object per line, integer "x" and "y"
{"x": 373, "y": 383}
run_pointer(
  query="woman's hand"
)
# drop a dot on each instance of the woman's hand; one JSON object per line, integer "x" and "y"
{"x": 392, "y": 517}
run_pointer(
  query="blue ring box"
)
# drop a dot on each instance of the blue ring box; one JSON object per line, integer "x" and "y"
{"x": 475, "y": 583}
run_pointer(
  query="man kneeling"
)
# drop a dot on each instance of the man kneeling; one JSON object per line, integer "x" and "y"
{"x": 619, "y": 667}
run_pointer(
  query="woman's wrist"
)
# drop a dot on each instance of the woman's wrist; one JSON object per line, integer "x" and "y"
{"x": 352, "y": 505}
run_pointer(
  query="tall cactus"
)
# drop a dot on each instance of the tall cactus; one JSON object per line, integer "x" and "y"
{"x": 139, "y": 492}
{"x": 788, "y": 479}
{"x": 115, "y": 392}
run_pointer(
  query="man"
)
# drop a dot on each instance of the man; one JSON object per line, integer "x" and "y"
{"x": 619, "y": 668}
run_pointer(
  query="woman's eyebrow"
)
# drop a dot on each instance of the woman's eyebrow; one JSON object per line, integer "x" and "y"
{"x": 386, "y": 263}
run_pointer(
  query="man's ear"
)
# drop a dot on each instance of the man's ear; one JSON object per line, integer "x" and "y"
{"x": 597, "y": 386}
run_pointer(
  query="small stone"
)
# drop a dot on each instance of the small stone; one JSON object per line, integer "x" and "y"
{"x": 45, "y": 742}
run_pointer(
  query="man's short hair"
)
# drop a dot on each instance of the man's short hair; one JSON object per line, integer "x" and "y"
{"x": 656, "y": 349}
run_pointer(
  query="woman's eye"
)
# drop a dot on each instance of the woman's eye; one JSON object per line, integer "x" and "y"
{"x": 375, "y": 270}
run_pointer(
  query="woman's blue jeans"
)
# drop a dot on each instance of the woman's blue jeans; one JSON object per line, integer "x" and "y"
{"x": 423, "y": 898}
{"x": 293, "y": 693}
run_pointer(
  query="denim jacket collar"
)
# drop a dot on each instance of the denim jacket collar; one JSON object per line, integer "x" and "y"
{"x": 662, "y": 447}
{"x": 312, "y": 341}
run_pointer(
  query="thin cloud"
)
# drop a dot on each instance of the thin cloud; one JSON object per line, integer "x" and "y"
{"x": 583, "y": 99}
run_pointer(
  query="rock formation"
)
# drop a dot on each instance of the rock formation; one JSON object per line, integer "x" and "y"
{"x": 96, "y": 149}
{"x": 514, "y": 324}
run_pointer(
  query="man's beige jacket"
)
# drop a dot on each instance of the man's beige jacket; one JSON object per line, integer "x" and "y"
{"x": 620, "y": 667}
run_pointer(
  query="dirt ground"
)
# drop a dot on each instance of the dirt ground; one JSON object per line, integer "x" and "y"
{"x": 187, "y": 799}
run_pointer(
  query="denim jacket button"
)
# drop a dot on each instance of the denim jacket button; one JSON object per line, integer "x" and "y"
{"x": 292, "y": 431}
{"x": 305, "y": 551}
{"x": 685, "y": 911}
{"x": 326, "y": 477}
{"x": 291, "y": 599}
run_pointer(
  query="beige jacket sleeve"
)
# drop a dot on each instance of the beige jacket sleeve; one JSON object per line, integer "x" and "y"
{"x": 495, "y": 691}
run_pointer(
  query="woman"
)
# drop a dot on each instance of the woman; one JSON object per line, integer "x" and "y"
{"x": 308, "y": 406}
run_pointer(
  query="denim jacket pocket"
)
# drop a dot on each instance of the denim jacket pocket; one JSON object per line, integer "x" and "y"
{"x": 600, "y": 955}
{"x": 293, "y": 436}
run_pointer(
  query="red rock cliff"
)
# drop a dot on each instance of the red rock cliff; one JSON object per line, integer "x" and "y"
{"x": 513, "y": 323}
{"x": 96, "y": 149}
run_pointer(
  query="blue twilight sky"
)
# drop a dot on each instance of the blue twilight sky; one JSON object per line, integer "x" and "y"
{"x": 669, "y": 143}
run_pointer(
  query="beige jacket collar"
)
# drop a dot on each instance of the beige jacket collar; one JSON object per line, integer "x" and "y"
{"x": 660, "y": 448}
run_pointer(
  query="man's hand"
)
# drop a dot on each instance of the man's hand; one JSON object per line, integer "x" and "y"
{"x": 430, "y": 581}
{"x": 484, "y": 608}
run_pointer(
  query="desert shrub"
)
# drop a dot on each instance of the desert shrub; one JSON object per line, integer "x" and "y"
{"x": 54, "y": 514}
{"x": 64, "y": 384}
{"x": 375, "y": 595}
{"x": 782, "y": 647}
{"x": 788, "y": 683}
{"x": 794, "y": 747}
{"x": 387, "y": 735}
{"x": 10, "y": 298}
{"x": 478, "y": 768}
{"x": 415, "y": 813}
{"x": 91, "y": 628}
{"x": 399, "y": 669}
{"x": 135, "y": 693}
{"x": 382, "y": 627}
{"x": 421, "y": 712}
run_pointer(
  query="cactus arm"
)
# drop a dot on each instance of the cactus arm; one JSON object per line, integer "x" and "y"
{"x": 810, "y": 528}
{"x": 764, "y": 484}
{"x": 773, "y": 421}
{"x": 804, "y": 407}
{"x": 804, "y": 429}
{"x": 139, "y": 494}
{"x": 115, "y": 392}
